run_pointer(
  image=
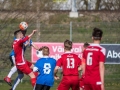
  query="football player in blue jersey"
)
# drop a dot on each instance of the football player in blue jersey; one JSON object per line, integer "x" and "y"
{"x": 45, "y": 66}
{"x": 13, "y": 69}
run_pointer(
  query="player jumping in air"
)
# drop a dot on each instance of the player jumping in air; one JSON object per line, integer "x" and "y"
{"x": 45, "y": 66}
{"x": 12, "y": 58}
{"x": 22, "y": 65}
{"x": 94, "y": 56}
{"x": 69, "y": 63}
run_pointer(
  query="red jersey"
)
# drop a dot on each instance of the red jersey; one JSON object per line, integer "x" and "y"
{"x": 19, "y": 50}
{"x": 93, "y": 54}
{"x": 70, "y": 63}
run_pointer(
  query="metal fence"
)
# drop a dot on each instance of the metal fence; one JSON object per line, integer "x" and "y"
{"x": 77, "y": 32}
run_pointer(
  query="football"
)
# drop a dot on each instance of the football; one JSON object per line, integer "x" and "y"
{"x": 23, "y": 25}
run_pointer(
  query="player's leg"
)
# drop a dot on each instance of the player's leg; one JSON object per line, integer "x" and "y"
{"x": 31, "y": 66}
{"x": 12, "y": 71}
{"x": 27, "y": 70}
{"x": 74, "y": 80}
{"x": 18, "y": 79}
{"x": 81, "y": 86}
{"x": 33, "y": 78}
{"x": 11, "y": 59}
{"x": 38, "y": 87}
{"x": 96, "y": 87}
{"x": 46, "y": 87}
{"x": 87, "y": 87}
{"x": 64, "y": 84}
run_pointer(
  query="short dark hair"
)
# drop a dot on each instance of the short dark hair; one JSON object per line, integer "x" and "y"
{"x": 86, "y": 44}
{"x": 67, "y": 45}
{"x": 97, "y": 34}
{"x": 17, "y": 31}
{"x": 45, "y": 50}
{"x": 41, "y": 48}
{"x": 24, "y": 32}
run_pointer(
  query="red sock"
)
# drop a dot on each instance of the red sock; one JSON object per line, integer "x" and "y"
{"x": 33, "y": 81}
{"x": 36, "y": 74}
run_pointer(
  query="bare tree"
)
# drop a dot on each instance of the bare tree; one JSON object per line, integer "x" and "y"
{"x": 97, "y": 4}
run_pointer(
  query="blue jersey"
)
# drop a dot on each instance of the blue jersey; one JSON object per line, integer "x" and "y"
{"x": 46, "y": 67}
{"x": 12, "y": 53}
{"x": 27, "y": 45}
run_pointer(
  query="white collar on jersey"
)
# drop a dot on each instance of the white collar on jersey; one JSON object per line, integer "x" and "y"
{"x": 45, "y": 57}
{"x": 94, "y": 44}
{"x": 17, "y": 39}
{"x": 68, "y": 52}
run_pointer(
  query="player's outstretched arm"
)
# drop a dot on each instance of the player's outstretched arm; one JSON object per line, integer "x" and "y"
{"x": 33, "y": 32}
{"x": 35, "y": 47}
{"x": 102, "y": 69}
{"x": 26, "y": 38}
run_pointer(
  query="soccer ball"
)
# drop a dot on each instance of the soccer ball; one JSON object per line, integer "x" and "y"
{"x": 23, "y": 25}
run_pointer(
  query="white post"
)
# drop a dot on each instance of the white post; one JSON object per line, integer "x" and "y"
{"x": 70, "y": 31}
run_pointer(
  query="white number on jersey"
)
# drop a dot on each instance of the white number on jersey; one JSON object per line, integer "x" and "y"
{"x": 89, "y": 58}
{"x": 47, "y": 68}
{"x": 70, "y": 63}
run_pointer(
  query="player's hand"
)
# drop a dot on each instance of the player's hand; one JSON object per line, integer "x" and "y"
{"x": 56, "y": 77}
{"x": 34, "y": 31}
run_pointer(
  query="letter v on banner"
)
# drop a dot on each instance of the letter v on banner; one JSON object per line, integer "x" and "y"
{"x": 56, "y": 50}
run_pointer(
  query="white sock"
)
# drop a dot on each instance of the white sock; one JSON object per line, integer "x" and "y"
{"x": 12, "y": 71}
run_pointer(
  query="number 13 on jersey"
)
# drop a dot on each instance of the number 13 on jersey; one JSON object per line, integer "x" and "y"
{"x": 70, "y": 63}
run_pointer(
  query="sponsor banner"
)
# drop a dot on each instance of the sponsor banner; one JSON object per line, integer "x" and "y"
{"x": 56, "y": 50}
{"x": 112, "y": 53}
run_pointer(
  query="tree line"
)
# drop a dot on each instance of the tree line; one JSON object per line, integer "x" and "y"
{"x": 59, "y": 4}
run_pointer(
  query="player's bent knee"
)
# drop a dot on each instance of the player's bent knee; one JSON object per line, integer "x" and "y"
{"x": 32, "y": 66}
{"x": 21, "y": 76}
{"x": 32, "y": 75}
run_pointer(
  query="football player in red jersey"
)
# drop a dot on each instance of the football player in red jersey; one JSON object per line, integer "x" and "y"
{"x": 69, "y": 63}
{"x": 22, "y": 65}
{"x": 94, "y": 56}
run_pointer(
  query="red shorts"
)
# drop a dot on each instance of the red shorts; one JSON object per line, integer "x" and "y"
{"x": 92, "y": 87}
{"x": 25, "y": 68}
{"x": 69, "y": 82}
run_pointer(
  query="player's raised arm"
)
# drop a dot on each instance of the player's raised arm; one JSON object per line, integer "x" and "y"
{"x": 33, "y": 32}
{"x": 27, "y": 37}
{"x": 35, "y": 47}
